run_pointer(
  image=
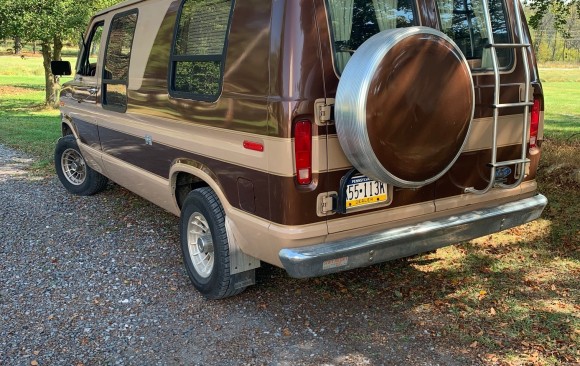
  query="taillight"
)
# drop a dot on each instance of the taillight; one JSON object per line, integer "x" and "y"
{"x": 534, "y": 123}
{"x": 303, "y": 151}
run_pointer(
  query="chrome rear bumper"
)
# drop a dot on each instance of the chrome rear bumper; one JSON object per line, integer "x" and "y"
{"x": 382, "y": 246}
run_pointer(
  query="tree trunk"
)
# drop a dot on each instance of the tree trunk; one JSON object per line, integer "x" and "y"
{"x": 538, "y": 41}
{"x": 17, "y": 45}
{"x": 51, "y": 52}
{"x": 51, "y": 87}
{"x": 57, "y": 49}
{"x": 554, "y": 46}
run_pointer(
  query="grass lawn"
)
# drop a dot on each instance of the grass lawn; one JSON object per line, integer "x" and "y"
{"x": 511, "y": 298}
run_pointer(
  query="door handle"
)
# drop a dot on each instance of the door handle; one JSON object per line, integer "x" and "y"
{"x": 93, "y": 91}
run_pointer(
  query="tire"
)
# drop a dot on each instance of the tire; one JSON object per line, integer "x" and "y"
{"x": 204, "y": 245}
{"x": 404, "y": 106}
{"x": 72, "y": 170}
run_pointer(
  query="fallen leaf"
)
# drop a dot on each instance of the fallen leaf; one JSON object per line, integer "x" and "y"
{"x": 439, "y": 303}
{"x": 286, "y": 332}
{"x": 553, "y": 287}
{"x": 34, "y": 363}
{"x": 474, "y": 344}
{"x": 481, "y": 295}
{"x": 492, "y": 311}
{"x": 36, "y": 353}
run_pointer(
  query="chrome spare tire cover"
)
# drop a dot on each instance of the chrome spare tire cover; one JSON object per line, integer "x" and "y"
{"x": 404, "y": 106}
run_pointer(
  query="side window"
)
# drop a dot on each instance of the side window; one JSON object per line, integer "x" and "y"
{"x": 198, "y": 51}
{"x": 117, "y": 57}
{"x": 354, "y": 21}
{"x": 464, "y": 22}
{"x": 87, "y": 65}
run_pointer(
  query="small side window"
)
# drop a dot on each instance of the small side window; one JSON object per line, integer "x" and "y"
{"x": 198, "y": 53}
{"x": 117, "y": 57}
{"x": 464, "y": 22}
{"x": 87, "y": 65}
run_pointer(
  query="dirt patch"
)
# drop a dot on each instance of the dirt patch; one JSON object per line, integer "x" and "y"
{"x": 13, "y": 90}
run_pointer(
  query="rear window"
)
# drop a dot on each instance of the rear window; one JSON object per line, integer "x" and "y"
{"x": 354, "y": 21}
{"x": 464, "y": 22}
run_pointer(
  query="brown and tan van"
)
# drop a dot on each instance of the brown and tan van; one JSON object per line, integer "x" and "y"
{"x": 315, "y": 135}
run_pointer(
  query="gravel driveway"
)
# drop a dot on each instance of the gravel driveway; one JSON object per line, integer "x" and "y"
{"x": 99, "y": 280}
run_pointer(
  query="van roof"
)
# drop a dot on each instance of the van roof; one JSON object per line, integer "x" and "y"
{"x": 118, "y": 6}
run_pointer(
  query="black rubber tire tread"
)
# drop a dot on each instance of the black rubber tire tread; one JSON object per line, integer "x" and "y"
{"x": 94, "y": 182}
{"x": 221, "y": 283}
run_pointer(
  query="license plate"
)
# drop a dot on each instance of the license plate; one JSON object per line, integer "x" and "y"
{"x": 362, "y": 191}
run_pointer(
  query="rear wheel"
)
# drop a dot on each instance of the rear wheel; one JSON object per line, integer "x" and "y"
{"x": 72, "y": 170}
{"x": 204, "y": 245}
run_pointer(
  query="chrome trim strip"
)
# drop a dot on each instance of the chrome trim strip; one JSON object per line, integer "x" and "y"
{"x": 345, "y": 254}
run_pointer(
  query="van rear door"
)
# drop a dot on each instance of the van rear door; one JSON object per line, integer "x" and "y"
{"x": 343, "y": 28}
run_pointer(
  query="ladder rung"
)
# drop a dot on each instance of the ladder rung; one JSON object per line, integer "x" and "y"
{"x": 509, "y": 105}
{"x": 507, "y": 45}
{"x": 509, "y": 162}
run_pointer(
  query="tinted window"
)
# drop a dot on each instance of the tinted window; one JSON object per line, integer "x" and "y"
{"x": 463, "y": 21}
{"x": 354, "y": 21}
{"x": 117, "y": 57}
{"x": 198, "y": 52}
{"x": 89, "y": 59}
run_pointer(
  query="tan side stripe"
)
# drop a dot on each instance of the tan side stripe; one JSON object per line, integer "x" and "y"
{"x": 510, "y": 130}
{"x": 510, "y": 133}
{"x": 218, "y": 143}
{"x": 278, "y": 155}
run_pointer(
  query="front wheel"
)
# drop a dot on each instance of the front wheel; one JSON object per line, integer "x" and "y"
{"x": 72, "y": 170}
{"x": 204, "y": 245}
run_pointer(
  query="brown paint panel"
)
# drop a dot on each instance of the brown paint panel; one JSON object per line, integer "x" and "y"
{"x": 88, "y": 133}
{"x": 471, "y": 170}
{"x": 158, "y": 158}
{"x": 291, "y": 206}
{"x": 246, "y": 67}
{"x": 415, "y": 126}
{"x": 484, "y": 100}
{"x": 297, "y": 78}
{"x": 246, "y": 195}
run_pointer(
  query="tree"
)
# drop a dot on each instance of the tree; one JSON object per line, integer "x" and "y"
{"x": 556, "y": 33}
{"x": 51, "y": 23}
{"x": 560, "y": 9}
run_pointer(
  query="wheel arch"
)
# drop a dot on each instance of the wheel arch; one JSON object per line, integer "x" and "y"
{"x": 187, "y": 175}
{"x": 67, "y": 127}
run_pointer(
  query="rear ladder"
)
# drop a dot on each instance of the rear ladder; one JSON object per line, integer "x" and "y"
{"x": 521, "y": 162}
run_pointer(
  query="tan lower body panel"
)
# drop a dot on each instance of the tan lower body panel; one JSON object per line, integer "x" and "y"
{"x": 149, "y": 186}
{"x": 264, "y": 240}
